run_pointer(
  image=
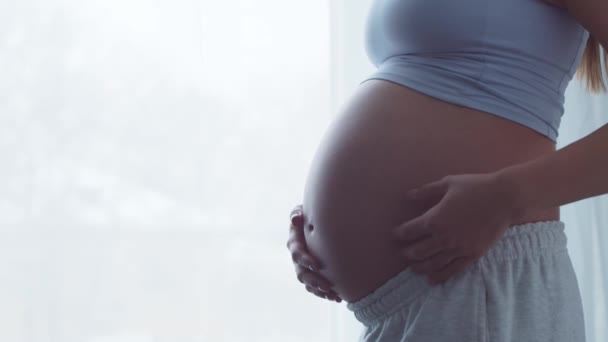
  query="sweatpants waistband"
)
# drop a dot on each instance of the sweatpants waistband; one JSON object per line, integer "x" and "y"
{"x": 544, "y": 237}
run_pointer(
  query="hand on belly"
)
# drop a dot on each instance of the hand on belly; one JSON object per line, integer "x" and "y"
{"x": 468, "y": 214}
{"x": 385, "y": 142}
{"x": 353, "y": 203}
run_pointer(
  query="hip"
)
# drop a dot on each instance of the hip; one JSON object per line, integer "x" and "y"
{"x": 488, "y": 301}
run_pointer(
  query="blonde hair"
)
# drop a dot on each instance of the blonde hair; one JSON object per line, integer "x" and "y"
{"x": 590, "y": 67}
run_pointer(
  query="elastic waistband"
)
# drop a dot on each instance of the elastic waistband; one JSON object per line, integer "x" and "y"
{"x": 519, "y": 240}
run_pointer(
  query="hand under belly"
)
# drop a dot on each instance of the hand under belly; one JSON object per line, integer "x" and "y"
{"x": 376, "y": 150}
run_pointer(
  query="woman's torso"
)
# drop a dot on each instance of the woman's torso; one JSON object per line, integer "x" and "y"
{"x": 386, "y": 140}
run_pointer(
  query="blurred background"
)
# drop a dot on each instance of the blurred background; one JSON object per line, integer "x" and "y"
{"x": 150, "y": 155}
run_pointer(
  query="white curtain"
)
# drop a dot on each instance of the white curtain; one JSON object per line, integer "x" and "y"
{"x": 150, "y": 154}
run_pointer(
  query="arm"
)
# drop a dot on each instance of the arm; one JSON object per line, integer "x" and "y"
{"x": 577, "y": 171}
{"x": 573, "y": 173}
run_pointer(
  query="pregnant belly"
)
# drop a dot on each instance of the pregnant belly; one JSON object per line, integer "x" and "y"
{"x": 388, "y": 139}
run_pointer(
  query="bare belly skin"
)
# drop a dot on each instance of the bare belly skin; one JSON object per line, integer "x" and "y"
{"x": 386, "y": 140}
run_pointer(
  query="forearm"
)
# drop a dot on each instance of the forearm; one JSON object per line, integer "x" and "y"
{"x": 573, "y": 173}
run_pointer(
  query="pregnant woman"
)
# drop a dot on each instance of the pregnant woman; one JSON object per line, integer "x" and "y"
{"x": 465, "y": 106}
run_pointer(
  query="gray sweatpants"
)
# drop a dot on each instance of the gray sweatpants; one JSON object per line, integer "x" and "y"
{"x": 523, "y": 289}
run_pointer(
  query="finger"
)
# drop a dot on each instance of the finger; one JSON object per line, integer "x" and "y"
{"x": 430, "y": 192}
{"x": 457, "y": 266}
{"x": 316, "y": 292}
{"x": 313, "y": 279}
{"x": 412, "y": 230}
{"x": 296, "y": 228}
{"x": 324, "y": 289}
{"x": 296, "y": 216}
{"x": 434, "y": 263}
{"x": 323, "y": 295}
{"x": 331, "y": 296}
{"x": 334, "y": 297}
{"x": 296, "y": 233}
{"x": 423, "y": 249}
{"x": 296, "y": 243}
{"x": 296, "y": 209}
{"x": 300, "y": 256}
